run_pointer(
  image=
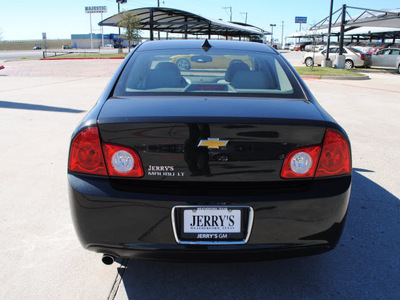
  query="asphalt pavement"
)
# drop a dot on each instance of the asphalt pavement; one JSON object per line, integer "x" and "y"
{"x": 41, "y": 102}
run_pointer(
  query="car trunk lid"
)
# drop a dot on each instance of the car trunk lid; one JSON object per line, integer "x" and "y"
{"x": 211, "y": 139}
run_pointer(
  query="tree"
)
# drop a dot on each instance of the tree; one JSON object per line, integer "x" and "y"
{"x": 132, "y": 26}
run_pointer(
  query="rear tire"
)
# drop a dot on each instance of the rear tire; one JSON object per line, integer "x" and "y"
{"x": 309, "y": 62}
{"x": 348, "y": 64}
{"x": 398, "y": 69}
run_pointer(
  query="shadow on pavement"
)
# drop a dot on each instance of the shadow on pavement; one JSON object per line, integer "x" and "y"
{"x": 28, "y": 106}
{"x": 365, "y": 264}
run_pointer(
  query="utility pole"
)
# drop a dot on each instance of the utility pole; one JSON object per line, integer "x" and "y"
{"x": 282, "y": 35}
{"x": 230, "y": 9}
{"x": 245, "y": 20}
{"x": 272, "y": 35}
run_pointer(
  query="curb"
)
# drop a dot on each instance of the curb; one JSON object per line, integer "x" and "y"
{"x": 365, "y": 77}
{"x": 80, "y": 58}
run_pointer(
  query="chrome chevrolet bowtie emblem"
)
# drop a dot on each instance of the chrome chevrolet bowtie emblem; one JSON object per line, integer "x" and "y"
{"x": 212, "y": 143}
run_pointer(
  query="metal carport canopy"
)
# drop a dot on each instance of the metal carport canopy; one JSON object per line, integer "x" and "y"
{"x": 178, "y": 21}
{"x": 336, "y": 31}
{"x": 361, "y": 24}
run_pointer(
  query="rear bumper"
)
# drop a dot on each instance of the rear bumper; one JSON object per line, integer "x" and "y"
{"x": 128, "y": 224}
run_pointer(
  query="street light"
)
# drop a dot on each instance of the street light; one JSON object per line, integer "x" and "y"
{"x": 327, "y": 62}
{"x": 230, "y": 10}
{"x": 119, "y": 28}
{"x": 272, "y": 33}
{"x": 245, "y": 20}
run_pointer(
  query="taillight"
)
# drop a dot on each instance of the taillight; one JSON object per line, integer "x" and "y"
{"x": 362, "y": 56}
{"x": 122, "y": 161}
{"x": 332, "y": 159}
{"x": 86, "y": 155}
{"x": 301, "y": 163}
{"x": 335, "y": 157}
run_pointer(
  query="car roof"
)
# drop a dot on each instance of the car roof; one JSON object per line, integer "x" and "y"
{"x": 216, "y": 44}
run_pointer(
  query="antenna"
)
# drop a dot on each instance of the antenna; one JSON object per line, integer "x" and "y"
{"x": 206, "y": 46}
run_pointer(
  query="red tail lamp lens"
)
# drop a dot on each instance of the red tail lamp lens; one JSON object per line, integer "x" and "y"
{"x": 122, "y": 161}
{"x": 335, "y": 157}
{"x": 301, "y": 163}
{"x": 86, "y": 155}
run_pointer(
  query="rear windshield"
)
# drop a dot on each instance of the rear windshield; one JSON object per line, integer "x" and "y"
{"x": 213, "y": 72}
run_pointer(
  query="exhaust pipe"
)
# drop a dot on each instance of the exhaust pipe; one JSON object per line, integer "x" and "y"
{"x": 108, "y": 259}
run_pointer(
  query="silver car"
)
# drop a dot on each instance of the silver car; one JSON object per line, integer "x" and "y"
{"x": 385, "y": 58}
{"x": 353, "y": 57}
{"x": 398, "y": 64}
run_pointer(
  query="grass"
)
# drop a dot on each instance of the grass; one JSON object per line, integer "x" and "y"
{"x": 319, "y": 71}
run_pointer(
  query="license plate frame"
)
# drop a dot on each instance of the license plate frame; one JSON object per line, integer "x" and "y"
{"x": 206, "y": 234}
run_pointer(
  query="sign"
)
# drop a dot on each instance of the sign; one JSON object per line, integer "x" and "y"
{"x": 300, "y": 20}
{"x": 44, "y": 36}
{"x": 95, "y": 9}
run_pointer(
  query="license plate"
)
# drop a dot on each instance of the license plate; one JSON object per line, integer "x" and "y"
{"x": 212, "y": 220}
{"x": 210, "y": 225}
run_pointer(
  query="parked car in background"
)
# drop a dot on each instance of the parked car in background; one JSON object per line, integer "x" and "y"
{"x": 239, "y": 162}
{"x": 398, "y": 64}
{"x": 375, "y": 47}
{"x": 1, "y": 65}
{"x": 385, "y": 58}
{"x": 108, "y": 46}
{"x": 291, "y": 47}
{"x": 301, "y": 46}
{"x": 37, "y": 48}
{"x": 287, "y": 46}
{"x": 353, "y": 57}
{"x": 314, "y": 48}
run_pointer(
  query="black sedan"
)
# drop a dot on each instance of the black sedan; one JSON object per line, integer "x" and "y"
{"x": 219, "y": 162}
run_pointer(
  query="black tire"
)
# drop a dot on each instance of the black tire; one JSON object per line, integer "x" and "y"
{"x": 183, "y": 64}
{"x": 348, "y": 64}
{"x": 398, "y": 69}
{"x": 309, "y": 62}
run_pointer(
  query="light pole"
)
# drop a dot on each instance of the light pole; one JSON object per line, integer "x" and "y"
{"x": 327, "y": 63}
{"x": 245, "y": 19}
{"x": 119, "y": 28}
{"x": 272, "y": 34}
{"x": 230, "y": 9}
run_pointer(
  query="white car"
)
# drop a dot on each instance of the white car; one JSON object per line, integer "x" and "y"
{"x": 314, "y": 48}
{"x": 385, "y": 58}
{"x": 353, "y": 57}
{"x": 287, "y": 46}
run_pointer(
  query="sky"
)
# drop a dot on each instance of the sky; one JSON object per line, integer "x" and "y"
{"x": 28, "y": 19}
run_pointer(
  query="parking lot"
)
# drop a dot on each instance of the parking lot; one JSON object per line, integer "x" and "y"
{"x": 41, "y": 102}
